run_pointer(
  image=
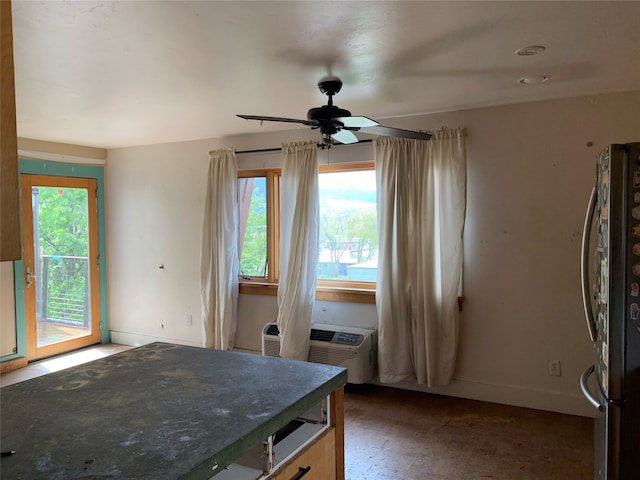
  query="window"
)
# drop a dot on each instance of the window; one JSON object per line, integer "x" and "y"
{"x": 348, "y": 226}
{"x": 347, "y": 263}
{"x": 258, "y": 200}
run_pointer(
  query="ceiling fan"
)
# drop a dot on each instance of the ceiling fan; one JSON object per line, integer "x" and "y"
{"x": 337, "y": 124}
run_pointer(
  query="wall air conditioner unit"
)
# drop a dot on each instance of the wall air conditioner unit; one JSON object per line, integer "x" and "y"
{"x": 352, "y": 348}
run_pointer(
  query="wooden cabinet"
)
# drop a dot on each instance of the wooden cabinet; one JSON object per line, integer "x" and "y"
{"x": 309, "y": 448}
{"x": 317, "y": 461}
{"x": 9, "y": 197}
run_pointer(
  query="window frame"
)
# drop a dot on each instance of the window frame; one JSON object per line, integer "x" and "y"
{"x": 337, "y": 168}
{"x": 330, "y": 290}
{"x": 272, "y": 181}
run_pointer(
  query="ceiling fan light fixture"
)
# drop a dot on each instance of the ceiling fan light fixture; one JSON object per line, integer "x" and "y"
{"x": 530, "y": 50}
{"x": 534, "y": 79}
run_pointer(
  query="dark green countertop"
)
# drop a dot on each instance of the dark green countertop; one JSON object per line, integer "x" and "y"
{"x": 161, "y": 411}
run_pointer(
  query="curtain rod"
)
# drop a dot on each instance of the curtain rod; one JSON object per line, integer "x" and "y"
{"x": 320, "y": 145}
{"x": 277, "y": 149}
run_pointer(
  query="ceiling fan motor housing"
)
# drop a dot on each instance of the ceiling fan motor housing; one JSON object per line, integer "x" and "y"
{"x": 327, "y": 114}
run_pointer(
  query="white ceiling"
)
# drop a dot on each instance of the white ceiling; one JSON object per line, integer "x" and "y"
{"x": 113, "y": 74}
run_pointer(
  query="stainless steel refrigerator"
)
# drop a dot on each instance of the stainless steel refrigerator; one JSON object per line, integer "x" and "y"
{"x": 611, "y": 297}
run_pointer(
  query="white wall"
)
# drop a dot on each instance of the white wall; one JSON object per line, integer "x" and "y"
{"x": 8, "y": 341}
{"x": 529, "y": 176}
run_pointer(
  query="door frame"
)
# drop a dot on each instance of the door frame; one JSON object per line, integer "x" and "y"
{"x": 59, "y": 169}
{"x": 28, "y": 182}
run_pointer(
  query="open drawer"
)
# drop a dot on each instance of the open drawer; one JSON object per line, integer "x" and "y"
{"x": 316, "y": 461}
{"x": 308, "y": 440}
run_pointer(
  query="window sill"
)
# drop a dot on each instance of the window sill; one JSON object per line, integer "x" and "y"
{"x": 258, "y": 288}
{"x": 331, "y": 294}
{"x": 342, "y": 294}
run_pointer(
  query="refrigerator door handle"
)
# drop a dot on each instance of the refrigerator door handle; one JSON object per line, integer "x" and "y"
{"x": 584, "y": 386}
{"x": 584, "y": 265}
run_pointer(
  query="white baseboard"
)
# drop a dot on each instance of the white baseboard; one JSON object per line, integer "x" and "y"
{"x": 538, "y": 399}
{"x": 138, "y": 339}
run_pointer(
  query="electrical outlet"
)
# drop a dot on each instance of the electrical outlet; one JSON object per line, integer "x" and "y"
{"x": 554, "y": 368}
{"x": 189, "y": 319}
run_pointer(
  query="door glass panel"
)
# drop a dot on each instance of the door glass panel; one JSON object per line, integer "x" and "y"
{"x": 61, "y": 261}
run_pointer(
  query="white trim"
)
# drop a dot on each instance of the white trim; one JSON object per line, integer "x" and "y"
{"x": 138, "y": 339}
{"x": 56, "y": 157}
{"x": 519, "y": 396}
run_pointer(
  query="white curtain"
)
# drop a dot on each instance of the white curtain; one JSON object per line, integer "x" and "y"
{"x": 298, "y": 247}
{"x": 421, "y": 188}
{"x": 219, "y": 257}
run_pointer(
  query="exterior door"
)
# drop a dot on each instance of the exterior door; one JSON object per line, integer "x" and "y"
{"x": 60, "y": 261}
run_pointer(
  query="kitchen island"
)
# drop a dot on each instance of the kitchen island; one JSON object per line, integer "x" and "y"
{"x": 165, "y": 411}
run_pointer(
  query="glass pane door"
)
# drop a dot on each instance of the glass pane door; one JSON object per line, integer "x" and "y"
{"x": 60, "y": 264}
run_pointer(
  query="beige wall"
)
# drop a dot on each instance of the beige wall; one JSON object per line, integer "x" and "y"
{"x": 529, "y": 176}
{"x": 7, "y": 310}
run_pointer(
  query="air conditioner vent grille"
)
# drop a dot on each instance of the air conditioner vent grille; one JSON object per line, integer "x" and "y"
{"x": 330, "y": 356}
{"x": 273, "y": 330}
{"x": 321, "y": 335}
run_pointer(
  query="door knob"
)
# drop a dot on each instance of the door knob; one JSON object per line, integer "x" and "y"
{"x": 29, "y": 277}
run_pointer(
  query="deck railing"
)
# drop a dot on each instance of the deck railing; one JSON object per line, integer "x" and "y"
{"x": 63, "y": 296}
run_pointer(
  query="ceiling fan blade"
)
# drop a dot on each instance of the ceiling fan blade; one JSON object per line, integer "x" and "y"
{"x": 356, "y": 122}
{"x": 396, "y": 132}
{"x": 345, "y": 136}
{"x": 278, "y": 119}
